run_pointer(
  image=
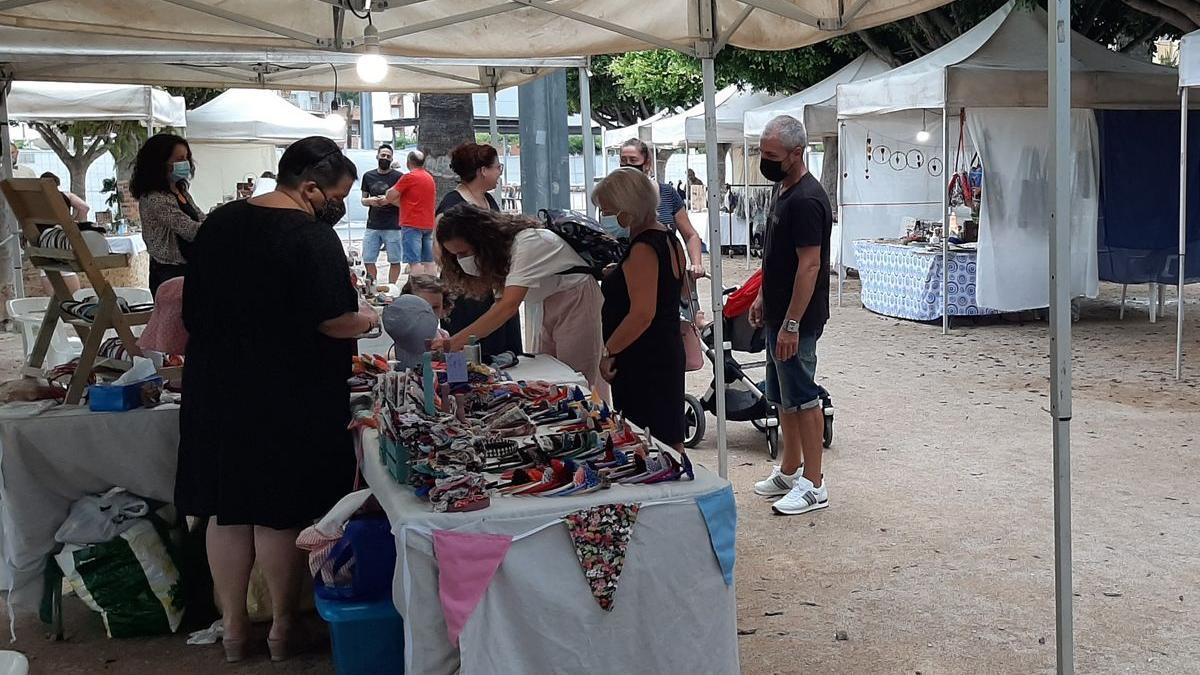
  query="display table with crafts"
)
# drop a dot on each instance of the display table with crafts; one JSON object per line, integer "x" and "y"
{"x": 905, "y": 281}
{"x": 608, "y": 577}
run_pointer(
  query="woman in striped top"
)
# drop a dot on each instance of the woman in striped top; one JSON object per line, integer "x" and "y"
{"x": 671, "y": 210}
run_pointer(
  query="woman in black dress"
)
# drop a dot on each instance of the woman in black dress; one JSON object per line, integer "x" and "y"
{"x": 264, "y": 449}
{"x": 478, "y": 168}
{"x": 643, "y": 350}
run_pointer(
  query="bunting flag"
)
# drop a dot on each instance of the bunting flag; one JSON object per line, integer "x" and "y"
{"x": 720, "y": 517}
{"x": 466, "y": 564}
{"x": 601, "y": 535}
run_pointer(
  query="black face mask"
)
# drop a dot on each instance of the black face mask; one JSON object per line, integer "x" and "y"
{"x": 385, "y": 165}
{"x": 639, "y": 167}
{"x": 772, "y": 169}
{"x": 331, "y": 212}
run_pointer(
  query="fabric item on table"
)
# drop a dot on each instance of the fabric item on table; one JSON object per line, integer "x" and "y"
{"x": 165, "y": 331}
{"x": 601, "y": 535}
{"x": 1014, "y": 236}
{"x": 906, "y": 283}
{"x": 466, "y": 564}
{"x": 720, "y": 517}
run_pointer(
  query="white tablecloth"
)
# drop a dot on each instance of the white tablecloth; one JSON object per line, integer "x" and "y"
{"x": 131, "y": 244}
{"x": 547, "y": 369}
{"x": 49, "y": 461}
{"x": 673, "y": 612}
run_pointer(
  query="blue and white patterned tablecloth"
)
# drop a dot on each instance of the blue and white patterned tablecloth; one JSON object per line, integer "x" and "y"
{"x": 906, "y": 281}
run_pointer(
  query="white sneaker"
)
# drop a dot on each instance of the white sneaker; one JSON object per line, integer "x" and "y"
{"x": 802, "y": 498}
{"x": 777, "y": 484}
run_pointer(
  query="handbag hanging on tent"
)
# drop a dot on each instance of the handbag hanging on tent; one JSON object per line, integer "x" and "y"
{"x": 959, "y": 191}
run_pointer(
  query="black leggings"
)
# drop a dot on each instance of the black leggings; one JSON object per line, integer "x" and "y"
{"x": 160, "y": 272}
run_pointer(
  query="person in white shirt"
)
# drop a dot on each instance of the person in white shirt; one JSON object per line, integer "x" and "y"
{"x": 485, "y": 252}
{"x": 18, "y": 170}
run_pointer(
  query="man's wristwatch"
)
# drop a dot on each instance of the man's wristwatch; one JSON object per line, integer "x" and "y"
{"x": 791, "y": 326}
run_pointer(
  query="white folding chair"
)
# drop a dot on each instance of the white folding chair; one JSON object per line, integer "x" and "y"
{"x": 27, "y": 314}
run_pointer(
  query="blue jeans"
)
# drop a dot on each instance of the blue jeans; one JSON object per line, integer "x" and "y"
{"x": 418, "y": 245}
{"x": 374, "y": 240}
{"x": 791, "y": 384}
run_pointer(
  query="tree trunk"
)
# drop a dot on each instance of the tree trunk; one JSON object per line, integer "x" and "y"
{"x": 830, "y": 168}
{"x": 719, "y": 183}
{"x": 661, "y": 155}
{"x": 443, "y": 122}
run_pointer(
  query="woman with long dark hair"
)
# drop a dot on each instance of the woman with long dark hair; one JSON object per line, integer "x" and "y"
{"x": 170, "y": 218}
{"x": 478, "y": 169}
{"x": 264, "y": 448}
{"x": 514, "y": 259}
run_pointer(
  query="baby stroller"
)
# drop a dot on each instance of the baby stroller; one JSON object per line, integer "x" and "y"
{"x": 745, "y": 400}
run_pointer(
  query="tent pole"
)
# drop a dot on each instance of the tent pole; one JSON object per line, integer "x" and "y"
{"x": 494, "y": 132}
{"x": 945, "y": 212}
{"x": 1059, "y": 70}
{"x": 708, "y": 74}
{"x": 841, "y": 268}
{"x": 589, "y": 142}
{"x": 745, "y": 201}
{"x": 1183, "y": 187}
{"x": 8, "y": 225}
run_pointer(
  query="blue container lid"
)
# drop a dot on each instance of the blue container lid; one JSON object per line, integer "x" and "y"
{"x": 333, "y": 611}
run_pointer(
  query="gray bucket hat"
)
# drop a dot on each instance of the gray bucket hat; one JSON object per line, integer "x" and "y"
{"x": 410, "y": 322}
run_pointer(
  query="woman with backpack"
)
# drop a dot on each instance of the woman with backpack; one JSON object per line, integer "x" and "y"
{"x": 486, "y": 253}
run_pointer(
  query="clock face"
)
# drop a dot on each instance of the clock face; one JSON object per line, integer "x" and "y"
{"x": 916, "y": 159}
{"x": 881, "y": 154}
{"x": 899, "y": 161}
{"x": 935, "y": 166}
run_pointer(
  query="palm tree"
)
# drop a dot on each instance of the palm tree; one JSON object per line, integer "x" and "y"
{"x": 443, "y": 122}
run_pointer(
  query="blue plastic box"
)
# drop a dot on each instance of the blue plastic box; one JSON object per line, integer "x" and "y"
{"x": 368, "y": 637}
{"x": 109, "y": 398}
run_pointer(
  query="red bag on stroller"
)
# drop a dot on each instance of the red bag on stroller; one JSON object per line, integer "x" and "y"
{"x": 739, "y": 301}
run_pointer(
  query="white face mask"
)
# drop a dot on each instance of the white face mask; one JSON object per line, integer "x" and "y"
{"x": 467, "y": 263}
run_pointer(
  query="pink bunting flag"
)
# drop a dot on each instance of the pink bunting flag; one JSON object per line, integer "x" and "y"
{"x": 466, "y": 564}
{"x": 601, "y": 535}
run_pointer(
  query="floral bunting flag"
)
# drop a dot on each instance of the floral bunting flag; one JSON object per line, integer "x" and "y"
{"x": 601, "y": 535}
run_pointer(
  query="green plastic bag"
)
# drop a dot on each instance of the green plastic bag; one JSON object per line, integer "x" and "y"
{"x": 132, "y": 581}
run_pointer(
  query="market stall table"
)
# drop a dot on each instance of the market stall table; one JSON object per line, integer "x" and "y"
{"x": 673, "y": 611}
{"x": 906, "y": 281}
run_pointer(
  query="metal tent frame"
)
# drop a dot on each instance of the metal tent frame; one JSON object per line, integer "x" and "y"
{"x": 710, "y": 26}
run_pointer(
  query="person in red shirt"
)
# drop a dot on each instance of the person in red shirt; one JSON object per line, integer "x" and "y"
{"x": 416, "y": 193}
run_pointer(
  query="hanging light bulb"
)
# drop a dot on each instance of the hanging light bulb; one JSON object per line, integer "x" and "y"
{"x": 923, "y": 134}
{"x": 371, "y": 66}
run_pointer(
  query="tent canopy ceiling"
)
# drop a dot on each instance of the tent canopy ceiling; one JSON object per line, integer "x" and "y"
{"x": 48, "y": 55}
{"x": 817, "y": 105}
{"x": 257, "y": 115}
{"x": 74, "y": 102}
{"x": 465, "y": 28}
{"x": 1001, "y": 63}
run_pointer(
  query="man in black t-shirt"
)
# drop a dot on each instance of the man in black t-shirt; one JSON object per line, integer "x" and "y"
{"x": 793, "y": 305}
{"x": 383, "y": 219}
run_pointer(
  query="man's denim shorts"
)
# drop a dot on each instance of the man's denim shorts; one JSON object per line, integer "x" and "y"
{"x": 791, "y": 384}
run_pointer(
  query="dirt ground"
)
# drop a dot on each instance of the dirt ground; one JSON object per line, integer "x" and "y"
{"x": 936, "y": 554}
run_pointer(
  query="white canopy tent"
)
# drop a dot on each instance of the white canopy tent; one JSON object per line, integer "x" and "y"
{"x": 673, "y": 130}
{"x": 701, "y": 29}
{"x": 613, "y": 138}
{"x": 1189, "y": 77}
{"x": 992, "y": 72}
{"x": 74, "y": 101}
{"x": 235, "y": 134}
{"x": 817, "y": 105}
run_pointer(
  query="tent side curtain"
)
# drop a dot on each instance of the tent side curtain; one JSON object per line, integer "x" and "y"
{"x": 455, "y": 28}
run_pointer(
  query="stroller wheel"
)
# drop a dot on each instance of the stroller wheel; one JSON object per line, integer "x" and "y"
{"x": 693, "y": 421}
{"x": 827, "y": 440}
{"x": 773, "y": 441}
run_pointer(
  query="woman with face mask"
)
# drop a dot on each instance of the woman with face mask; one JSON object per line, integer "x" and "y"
{"x": 513, "y": 258}
{"x": 478, "y": 169}
{"x": 643, "y": 354}
{"x": 170, "y": 218}
{"x": 264, "y": 448}
{"x": 672, "y": 211}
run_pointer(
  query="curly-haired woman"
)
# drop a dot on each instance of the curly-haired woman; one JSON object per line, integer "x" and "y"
{"x": 485, "y": 253}
{"x": 478, "y": 169}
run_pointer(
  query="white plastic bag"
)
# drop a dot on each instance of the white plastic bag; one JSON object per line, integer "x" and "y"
{"x": 99, "y": 518}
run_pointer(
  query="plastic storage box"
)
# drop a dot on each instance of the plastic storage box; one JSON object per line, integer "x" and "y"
{"x": 368, "y": 637}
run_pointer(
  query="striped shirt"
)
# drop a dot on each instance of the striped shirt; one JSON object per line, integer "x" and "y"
{"x": 669, "y": 204}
